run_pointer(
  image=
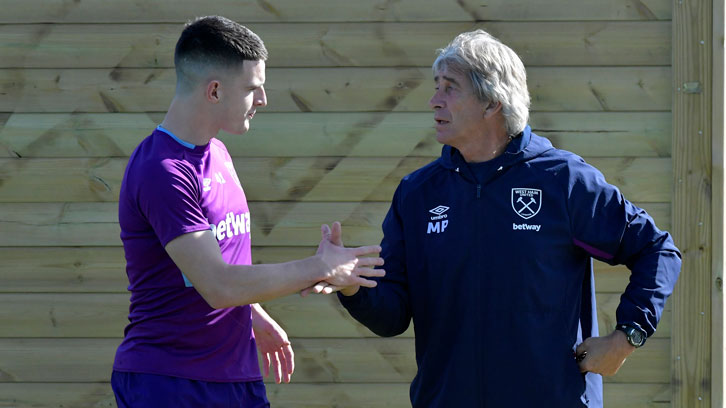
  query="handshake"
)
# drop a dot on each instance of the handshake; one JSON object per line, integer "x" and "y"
{"x": 346, "y": 269}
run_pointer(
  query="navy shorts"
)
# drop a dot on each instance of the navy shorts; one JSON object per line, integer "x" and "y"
{"x": 137, "y": 390}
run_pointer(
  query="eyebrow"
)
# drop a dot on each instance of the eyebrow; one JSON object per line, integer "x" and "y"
{"x": 452, "y": 80}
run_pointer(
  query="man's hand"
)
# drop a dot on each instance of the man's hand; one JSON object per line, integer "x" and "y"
{"x": 604, "y": 355}
{"x": 345, "y": 277}
{"x": 273, "y": 344}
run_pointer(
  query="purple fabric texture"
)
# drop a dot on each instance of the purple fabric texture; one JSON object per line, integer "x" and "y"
{"x": 172, "y": 188}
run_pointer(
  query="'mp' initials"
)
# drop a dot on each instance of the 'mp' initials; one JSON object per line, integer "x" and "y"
{"x": 438, "y": 226}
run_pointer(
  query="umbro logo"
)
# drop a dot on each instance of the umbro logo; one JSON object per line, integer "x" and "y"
{"x": 439, "y": 214}
{"x": 439, "y": 210}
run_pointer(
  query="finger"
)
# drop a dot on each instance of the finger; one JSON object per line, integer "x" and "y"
{"x": 277, "y": 367}
{"x": 289, "y": 356}
{"x": 370, "y": 272}
{"x": 581, "y": 348}
{"x": 365, "y": 282}
{"x": 266, "y": 363}
{"x": 336, "y": 236}
{"x": 317, "y": 288}
{"x": 331, "y": 288}
{"x": 369, "y": 249}
{"x": 370, "y": 262}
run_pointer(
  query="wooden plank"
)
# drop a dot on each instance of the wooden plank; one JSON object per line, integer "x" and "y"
{"x": 351, "y": 134}
{"x": 63, "y": 315}
{"x": 362, "y": 360}
{"x": 57, "y": 395}
{"x": 289, "y": 179}
{"x": 35, "y": 315}
{"x": 96, "y": 224}
{"x": 148, "y": 11}
{"x": 691, "y": 354}
{"x": 62, "y": 269}
{"x": 583, "y": 89}
{"x": 339, "y": 44}
{"x": 718, "y": 258}
{"x": 295, "y": 395}
{"x": 273, "y": 224}
{"x": 101, "y": 269}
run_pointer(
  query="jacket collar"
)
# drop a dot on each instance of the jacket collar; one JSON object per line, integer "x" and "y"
{"x": 524, "y": 146}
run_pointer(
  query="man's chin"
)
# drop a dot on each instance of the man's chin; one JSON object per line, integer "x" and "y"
{"x": 239, "y": 131}
{"x": 443, "y": 139}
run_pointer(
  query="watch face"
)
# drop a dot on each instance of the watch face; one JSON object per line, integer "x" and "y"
{"x": 635, "y": 337}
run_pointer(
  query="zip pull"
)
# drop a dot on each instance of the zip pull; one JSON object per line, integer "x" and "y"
{"x": 478, "y": 190}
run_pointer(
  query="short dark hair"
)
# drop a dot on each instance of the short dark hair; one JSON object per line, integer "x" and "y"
{"x": 214, "y": 42}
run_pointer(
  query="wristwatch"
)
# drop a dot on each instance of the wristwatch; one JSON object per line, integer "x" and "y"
{"x": 635, "y": 335}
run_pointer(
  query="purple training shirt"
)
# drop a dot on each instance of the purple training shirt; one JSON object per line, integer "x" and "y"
{"x": 172, "y": 188}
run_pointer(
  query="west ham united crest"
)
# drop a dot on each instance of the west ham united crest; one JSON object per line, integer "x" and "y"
{"x": 526, "y": 202}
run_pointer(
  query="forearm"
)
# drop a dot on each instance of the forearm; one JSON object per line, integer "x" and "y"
{"x": 384, "y": 310}
{"x": 653, "y": 276}
{"x": 249, "y": 284}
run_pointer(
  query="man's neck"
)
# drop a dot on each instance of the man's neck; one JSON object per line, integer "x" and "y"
{"x": 487, "y": 148}
{"x": 188, "y": 122}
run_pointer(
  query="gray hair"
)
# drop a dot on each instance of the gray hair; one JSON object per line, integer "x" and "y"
{"x": 496, "y": 73}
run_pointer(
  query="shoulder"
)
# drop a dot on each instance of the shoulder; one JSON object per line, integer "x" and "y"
{"x": 560, "y": 162}
{"x": 157, "y": 161}
{"x": 415, "y": 180}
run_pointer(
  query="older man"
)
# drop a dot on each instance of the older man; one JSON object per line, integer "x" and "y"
{"x": 489, "y": 250}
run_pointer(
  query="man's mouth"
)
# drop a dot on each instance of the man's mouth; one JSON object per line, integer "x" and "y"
{"x": 440, "y": 121}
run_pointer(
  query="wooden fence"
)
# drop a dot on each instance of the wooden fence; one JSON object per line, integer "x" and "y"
{"x": 83, "y": 82}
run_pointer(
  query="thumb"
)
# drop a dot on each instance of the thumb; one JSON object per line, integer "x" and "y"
{"x": 325, "y": 232}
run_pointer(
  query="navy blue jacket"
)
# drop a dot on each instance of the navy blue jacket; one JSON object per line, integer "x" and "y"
{"x": 497, "y": 275}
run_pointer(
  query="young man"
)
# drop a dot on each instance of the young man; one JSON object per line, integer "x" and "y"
{"x": 185, "y": 227}
{"x": 488, "y": 249}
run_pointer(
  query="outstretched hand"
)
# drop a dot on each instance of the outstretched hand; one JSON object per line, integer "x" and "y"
{"x": 344, "y": 273}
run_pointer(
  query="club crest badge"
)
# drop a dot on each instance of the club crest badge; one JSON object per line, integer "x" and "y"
{"x": 526, "y": 202}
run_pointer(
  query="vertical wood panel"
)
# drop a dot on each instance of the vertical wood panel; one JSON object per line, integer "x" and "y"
{"x": 691, "y": 348}
{"x": 719, "y": 221}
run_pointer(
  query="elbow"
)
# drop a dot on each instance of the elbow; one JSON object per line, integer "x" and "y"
{"x": 217, "y": 296}
{"x": 216, "y": 299}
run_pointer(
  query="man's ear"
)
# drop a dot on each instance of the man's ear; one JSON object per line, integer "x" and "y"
{"x": 213, "y": 92}
{"x": 492, "y": 108}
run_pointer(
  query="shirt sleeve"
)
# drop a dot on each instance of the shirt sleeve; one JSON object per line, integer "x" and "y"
{"x": 385, "y": 309}
{"x": 170, "y": 198}
{"x": 613, "y": 230}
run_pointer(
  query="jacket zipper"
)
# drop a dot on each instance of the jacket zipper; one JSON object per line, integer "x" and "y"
{"x": 478, "y": 191}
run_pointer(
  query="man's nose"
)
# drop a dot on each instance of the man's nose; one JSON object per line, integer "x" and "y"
{"x": 435, "y": 102}
{"x": 261, "y": 97}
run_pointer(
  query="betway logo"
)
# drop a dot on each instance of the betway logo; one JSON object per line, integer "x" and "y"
{"x": 233, "y": 224}
{"x": 526, "y": 227}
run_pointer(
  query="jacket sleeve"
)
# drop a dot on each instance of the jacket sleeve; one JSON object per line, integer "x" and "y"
{"x": 611, "y": 229}
{"x": 385, "y": 309}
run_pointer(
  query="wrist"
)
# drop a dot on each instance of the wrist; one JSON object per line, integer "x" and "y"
{"x": 633, "y": 333}
{"x": 318, "y": 269}
{"x": 621, "y": 343}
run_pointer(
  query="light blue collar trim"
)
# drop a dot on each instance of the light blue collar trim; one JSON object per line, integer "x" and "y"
{"x": 173, "y": 136}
